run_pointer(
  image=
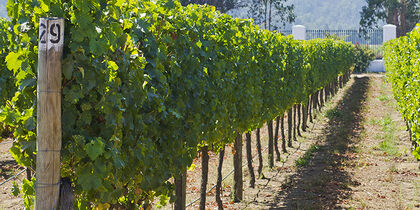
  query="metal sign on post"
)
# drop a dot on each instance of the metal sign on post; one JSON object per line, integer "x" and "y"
{"x": 48, "y": 142}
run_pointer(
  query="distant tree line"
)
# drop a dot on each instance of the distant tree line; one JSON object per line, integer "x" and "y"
{"x": 262, "y": 11}
{"x": 402, "y": 13}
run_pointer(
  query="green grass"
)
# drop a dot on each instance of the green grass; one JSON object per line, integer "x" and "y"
{"x": 304, "y": 160}
{"x": 384, "y": 98}
{"x": 388, "y": 143}
{"x": 333, "y": 113}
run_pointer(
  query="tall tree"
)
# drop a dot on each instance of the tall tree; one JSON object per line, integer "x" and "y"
{"x": 264, "y": 11}
{"x": 402, "y": 13}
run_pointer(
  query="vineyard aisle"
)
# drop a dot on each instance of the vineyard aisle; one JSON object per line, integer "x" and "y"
{"x": 357, "y": 156}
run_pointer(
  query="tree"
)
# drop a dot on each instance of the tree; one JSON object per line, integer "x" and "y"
{"x": 402, "y": 13}
{"x": 263, "y": 11}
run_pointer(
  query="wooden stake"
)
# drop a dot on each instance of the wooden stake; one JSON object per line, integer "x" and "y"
{"x": 51, "y": 35}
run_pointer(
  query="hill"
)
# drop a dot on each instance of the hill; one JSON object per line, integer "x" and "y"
{"x": 314, "y": 14}
{"x": 318, "y": 14}
{"x": 328, "y": 14}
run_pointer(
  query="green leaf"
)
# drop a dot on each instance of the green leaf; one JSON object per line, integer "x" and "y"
{"x": 112, "y": 65}
{"x": 68, "y": 64}
{"x": 30, "y": 82}
{"x": 12, "y": 61}
{"x": 15, "y": 189}
{"x": 28, "y": 187}
{"x": 95, "y": 148}
{"x": 199, "y": 44}
{"x": 87, "y": 180}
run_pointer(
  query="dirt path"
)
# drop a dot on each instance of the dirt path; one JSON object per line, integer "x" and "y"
{"x": 359, "y": 159}
{"x": 9, "y": 168}
{"x": 385, "y": 167}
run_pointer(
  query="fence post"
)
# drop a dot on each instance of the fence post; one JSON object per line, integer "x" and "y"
{"x": 48, "y": 141}
{"x": 390, "y": 32}
{"x": 299, "y": 32}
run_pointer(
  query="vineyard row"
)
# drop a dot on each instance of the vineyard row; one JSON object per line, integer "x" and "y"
{"x": 402, "y": 61}
{"x": 147, "y": 84}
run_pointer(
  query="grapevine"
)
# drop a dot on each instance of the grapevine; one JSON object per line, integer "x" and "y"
{"x": 145, "y": 84}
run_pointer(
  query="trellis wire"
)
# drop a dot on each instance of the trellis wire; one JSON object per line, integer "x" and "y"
{"x": 13, "y": 177}
{"x": 243, "y": 165}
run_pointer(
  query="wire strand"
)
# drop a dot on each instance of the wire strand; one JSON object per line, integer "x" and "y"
{"x": 226, "y": 176}
{"x": 13, "y": 177}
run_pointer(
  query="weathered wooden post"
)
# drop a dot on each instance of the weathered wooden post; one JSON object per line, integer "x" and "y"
{"x": 48, "y": 142}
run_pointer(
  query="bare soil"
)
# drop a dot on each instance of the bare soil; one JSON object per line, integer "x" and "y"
{"x": 8, "y": 169}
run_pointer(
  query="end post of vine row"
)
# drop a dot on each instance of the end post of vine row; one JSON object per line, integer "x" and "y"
{"x": 49, "y": 131}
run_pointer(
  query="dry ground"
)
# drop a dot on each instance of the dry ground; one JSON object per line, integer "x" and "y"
{"x": 8, "y": 168}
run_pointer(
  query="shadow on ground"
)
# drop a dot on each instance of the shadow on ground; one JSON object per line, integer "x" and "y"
{"x": 323, "y": 182}
{"x": 7, "y": 168}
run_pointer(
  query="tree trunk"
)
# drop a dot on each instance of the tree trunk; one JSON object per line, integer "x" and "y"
{"x": 249, "y": 159}
{"x": 270, "y": 144}
{"x": 269, "y": 15}
{"x": 402, "y": 17}
{"x": 180, "y": 191}
{"x": 276, "y": 139}
{"x": 237, "y": 165}
{"x": 290, "y": 126}
{"x": 260, "y": 158}
{"x": 394, "y": 15}
{"x": 283, "y": 137}
{"x": 321, "y": 98}
{"x": 204, "y": 176}
{"x": 299, "y": 119}
{"x": 265, "y": 13}
{"x": 219, "y": 178}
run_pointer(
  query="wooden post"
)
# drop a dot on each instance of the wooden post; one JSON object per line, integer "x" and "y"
{"x": 47, "y": 186}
